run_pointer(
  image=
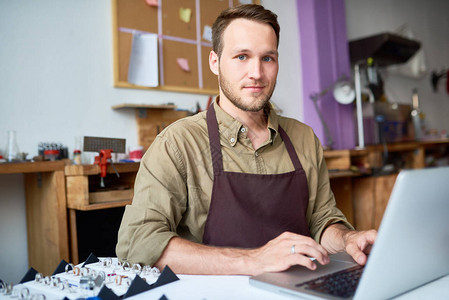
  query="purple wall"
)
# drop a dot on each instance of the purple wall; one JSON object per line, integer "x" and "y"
{"x": 324, "y": 58}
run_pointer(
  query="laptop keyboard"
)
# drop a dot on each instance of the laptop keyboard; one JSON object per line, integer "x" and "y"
{"x": 340, "y": 284}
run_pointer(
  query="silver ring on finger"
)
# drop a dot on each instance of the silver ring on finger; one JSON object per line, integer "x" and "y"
{"x": 292, "y": 249}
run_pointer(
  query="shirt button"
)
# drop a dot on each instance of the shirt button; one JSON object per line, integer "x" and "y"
{"x": 232, "y": 140}
{"x": 256, "y": 154}
{"x": 243, "y": 129}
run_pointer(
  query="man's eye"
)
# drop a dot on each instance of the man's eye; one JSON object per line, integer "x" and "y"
{"x": 267, "y": 59}
{"x": 241, "y": 57}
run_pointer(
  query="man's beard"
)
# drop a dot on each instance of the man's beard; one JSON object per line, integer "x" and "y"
{"x": 256, "y": 105}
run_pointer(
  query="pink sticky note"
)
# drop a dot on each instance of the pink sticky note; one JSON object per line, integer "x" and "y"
{"x": 152, "y": 2}
{"x": 183, "y": 63}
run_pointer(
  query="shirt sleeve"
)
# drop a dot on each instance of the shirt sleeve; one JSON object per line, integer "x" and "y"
{"x": 160, "y": 198}
{"x": 325, "y": 211}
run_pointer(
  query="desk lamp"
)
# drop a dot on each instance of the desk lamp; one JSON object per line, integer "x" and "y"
{"x": 343, "y": 92}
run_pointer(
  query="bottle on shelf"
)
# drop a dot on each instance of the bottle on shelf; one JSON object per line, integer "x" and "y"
{"x": 77, "y": 151}
{"x": 77, "y": 157}
{"x": 417, "y": 116}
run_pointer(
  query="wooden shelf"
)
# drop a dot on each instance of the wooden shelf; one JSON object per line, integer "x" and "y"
{"x": 371, "y": 157}
{"x": 82, "y": 170}
{"x": 110, "y": 196}
{"x": 408, "y": 146}
{"x": 32, "y": 167}
{"x": 431, "y": 143}
{"x": 358, "y": 152}
{"x": 344, "y": 173}
{"x": 81, "y": 180}
{"x": 104, "y": 205}
{"x": 152, "y": 106}
{"x": 338, "y": 159}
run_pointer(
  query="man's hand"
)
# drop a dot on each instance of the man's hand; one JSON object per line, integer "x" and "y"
{"x": 358, "y": 244}
{"x": 286, "y": 250}
{"x": 338, "y": 238}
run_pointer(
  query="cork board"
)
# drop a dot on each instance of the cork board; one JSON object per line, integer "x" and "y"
{"x": 179, "y": 26}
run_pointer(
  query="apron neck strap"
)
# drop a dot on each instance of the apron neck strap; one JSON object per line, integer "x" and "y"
{"x": 290, "y": 149}
{"x": 214, "y": 140}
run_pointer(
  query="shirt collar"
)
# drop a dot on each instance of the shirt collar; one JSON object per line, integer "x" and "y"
{"x": 230, "y": 127}
{"x": 273, "y": 123}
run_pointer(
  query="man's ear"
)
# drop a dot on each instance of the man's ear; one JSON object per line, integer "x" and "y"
{"x": 213, "y": 62}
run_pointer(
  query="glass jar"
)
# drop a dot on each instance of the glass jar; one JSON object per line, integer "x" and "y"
{"x": 12, "y": 149}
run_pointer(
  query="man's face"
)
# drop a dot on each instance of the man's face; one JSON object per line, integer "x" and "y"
{"x": 248, "y": 66}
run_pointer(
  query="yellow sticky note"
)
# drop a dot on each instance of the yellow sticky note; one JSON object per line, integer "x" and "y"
{"x": 185, "y": 14}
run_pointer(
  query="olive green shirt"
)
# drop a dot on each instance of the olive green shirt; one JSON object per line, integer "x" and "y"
{"x": 173, "y": 186}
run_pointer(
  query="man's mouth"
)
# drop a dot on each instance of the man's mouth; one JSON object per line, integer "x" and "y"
{"x": 253, "y": 88}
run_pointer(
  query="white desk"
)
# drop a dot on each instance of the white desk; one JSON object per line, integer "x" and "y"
{"x": 201, "y": 287}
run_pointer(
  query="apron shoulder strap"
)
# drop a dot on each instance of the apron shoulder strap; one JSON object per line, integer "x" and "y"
{"x": 290, "y": 149}
{"x": 214, "y": 140}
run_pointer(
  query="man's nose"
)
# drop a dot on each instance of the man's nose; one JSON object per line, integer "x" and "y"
{"x": 255, "y": 69}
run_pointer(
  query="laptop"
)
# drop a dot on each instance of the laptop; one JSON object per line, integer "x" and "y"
{"x": 412, "y": 246}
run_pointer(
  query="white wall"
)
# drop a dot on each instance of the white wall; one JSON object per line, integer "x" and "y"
{"x": 56, "y": 83}
{"x": 288, "y": 93}
{"x": 430, "y": 24}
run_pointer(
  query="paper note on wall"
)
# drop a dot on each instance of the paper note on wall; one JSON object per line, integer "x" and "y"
{"x": 183, "y": 63}
{"x": 245, "y": 1}
{"x": 152, "y": 2}
{"x": 185, "y": 14}
{"x": 143, "y": 63}
{"x": 207, "y": 33}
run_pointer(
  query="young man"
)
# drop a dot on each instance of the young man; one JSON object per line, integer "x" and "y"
{"x": 237, "y": 189}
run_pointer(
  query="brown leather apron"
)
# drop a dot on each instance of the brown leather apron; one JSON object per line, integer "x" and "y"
{"x": 248, "y": 210}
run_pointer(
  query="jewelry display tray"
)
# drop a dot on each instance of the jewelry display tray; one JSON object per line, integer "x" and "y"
{"x": 105, "y": 278}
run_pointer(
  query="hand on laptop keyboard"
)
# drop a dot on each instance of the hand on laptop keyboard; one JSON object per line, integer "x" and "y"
{"x": 286, "y": 250}
{"x": 338, "y": 238}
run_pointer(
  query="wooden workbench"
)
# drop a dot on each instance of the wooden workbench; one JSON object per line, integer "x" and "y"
{"x": 46, "y": 212}
{"x": 52, "y": 198}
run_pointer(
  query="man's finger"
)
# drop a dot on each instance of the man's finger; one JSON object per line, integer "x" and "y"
{"x": 357, "y": 254}
{"x": 298, "y": 259}
{"x": 314, "y": 252}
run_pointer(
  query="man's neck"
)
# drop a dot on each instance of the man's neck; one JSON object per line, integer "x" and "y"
{"x": 255, "y": 122}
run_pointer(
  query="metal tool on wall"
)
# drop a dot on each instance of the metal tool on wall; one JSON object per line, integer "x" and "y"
{"x": 435, "y": 78}
{"x": 105, "y": 147}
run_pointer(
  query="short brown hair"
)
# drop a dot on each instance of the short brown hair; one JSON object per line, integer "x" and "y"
{"x": 251, "y": 12}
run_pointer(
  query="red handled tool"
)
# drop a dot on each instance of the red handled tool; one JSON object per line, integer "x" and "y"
{"x": 105, "y": 147}
{"x": 103, "y": 160}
